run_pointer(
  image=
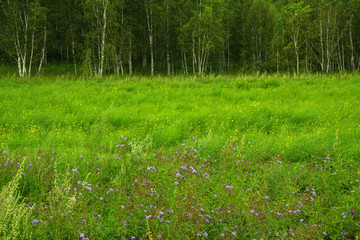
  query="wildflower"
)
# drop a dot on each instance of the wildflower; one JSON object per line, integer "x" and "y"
{"x": 148, "y": 217}
{"x": 35, "y": 221}
{"x": 82, "y": 235}
{"x": 234, "y": 233}
{"x": 179, "y": 175}
{"x": 75, "y": 171}
{"x": 325, "y": 233}
{"x": 301, "y": 220}
{"x": 152, "y": 168}
{"x": 101, "y": 198}
{"x": 205, "y": 234}
{"x": 159, "y": 236}
{"x": 176, "y": 183}
{"x": 352, "y": 212}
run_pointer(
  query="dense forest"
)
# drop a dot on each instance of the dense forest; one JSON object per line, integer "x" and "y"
{"x": 101, "y": 37}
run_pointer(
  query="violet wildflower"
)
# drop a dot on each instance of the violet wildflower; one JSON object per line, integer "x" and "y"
{"x": 352, "y": 212}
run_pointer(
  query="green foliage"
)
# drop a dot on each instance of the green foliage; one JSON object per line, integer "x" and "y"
{"x": 269, "y": 157}
{"x": 14, "y": 213}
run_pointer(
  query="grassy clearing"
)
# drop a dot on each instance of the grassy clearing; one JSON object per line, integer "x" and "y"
{"x": 112, "y": 159}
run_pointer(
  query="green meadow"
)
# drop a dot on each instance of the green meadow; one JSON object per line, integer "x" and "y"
{"x": 212, "y": 157}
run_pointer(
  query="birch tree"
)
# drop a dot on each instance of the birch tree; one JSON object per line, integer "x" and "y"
{"x": 24, "y": 26}
{"x": 150, "y": 26}
{"x": 204, "y": 33}
{"x": 97, "y": 18}
{"x": 296, "y": 22}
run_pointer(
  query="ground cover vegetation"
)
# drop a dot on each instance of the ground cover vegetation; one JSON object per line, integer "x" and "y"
{"x": 212, "y": 157}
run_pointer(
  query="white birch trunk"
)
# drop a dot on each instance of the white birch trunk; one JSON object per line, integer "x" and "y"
{"x": 43, "y": 51}
{"x": 151, "y": 36}
{"x": 103, "y": 38}
{"x": 74, "y": 56}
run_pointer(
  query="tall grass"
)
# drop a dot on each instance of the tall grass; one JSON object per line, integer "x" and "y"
{"x": 293, "y": 117}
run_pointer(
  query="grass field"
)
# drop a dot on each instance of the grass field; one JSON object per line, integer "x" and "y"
{"x": 216, "y": 157}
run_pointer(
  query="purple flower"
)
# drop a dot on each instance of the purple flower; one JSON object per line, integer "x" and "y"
{"x": 176, "y": 183}
{"x": 352, "y": 212}
{"x": 148, "y": 217}
{"x": 301, "y": 220}
{"x": 82, "y": 235}
{"x": 75, "y": 171}
{"x": 35, "y": 221}
{"x": 325, "y": 233}
{"x": 101, "y": 198}
{"x": 179, "y": 175}
{"x": 205, "y": 234}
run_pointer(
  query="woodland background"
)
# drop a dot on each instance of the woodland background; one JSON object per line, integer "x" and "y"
{"x": 98, "y": 37}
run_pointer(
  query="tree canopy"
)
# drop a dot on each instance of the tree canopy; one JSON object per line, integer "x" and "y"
{"x": 102, "y": 37}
